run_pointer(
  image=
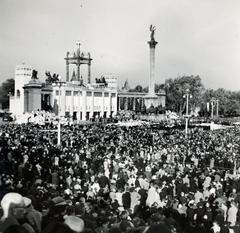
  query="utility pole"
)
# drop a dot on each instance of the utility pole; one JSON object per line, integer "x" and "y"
{"x": 187, "y": 96}
{"x": 59, "y": 84}
{"x": 217, "y": 105}
{"x": 212, "y": 107}
{"x": 59, "y": 133}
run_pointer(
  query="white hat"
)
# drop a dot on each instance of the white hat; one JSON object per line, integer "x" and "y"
{"x": 75, "y": 223}
{"x": 11, "y": 198}
{"x": 27, "y": 201}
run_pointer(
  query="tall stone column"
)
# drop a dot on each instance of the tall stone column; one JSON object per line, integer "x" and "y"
{"x": 78, "y": 107}
{"x": 89, "y": 73}
{"x": 126, "y": 103}
{"x": 67, "y": 67}
{"x": 89, "y": 68}
{"x": 152, "y": 45}
{"x": 62, "y": 107}
{"x": 134, "y": 104}
{"x": 92, "y": 104}
{"x": 118, "y": 103}
{"x": 142, "y": 103}
{"x": 110, "y": 104}
{"x": 72, "y": 104}
{"x": 84, "y": 107}
{"x": 78, "y": 72}
{"x": 78, "y": 61}
{"x": 102, "y": 105}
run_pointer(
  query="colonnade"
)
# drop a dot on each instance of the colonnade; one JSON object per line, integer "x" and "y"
{"x": 86, "y": 104}
{"x": 130, "y": 103}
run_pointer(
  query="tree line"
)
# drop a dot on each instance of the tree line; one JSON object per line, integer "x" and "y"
{"x": 175, "y": 88}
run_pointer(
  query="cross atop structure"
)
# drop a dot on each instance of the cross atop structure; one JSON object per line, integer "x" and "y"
{"x": 78, "y": 58}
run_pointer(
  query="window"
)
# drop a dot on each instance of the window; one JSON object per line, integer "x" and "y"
{"x": 68, "y": 93}
{"x": 98, "y": 94}
{"x": 18, "y": 93}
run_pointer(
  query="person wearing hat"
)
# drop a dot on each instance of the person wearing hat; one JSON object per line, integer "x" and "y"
{"x": 191, "y": 211}
{"x": 75, "y": 223}
{"x": 9, "y": 201}
{"x": 33, "y": 216}
{"x": 13, "y": 206}
{"x": 56, "y": 211}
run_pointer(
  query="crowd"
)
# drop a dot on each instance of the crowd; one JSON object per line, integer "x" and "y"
{"x": 107, "y": 178}
{"x": 34, "y": 117}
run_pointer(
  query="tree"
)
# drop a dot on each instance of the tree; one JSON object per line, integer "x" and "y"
{"x": 6, "y": 88}
{"x": 138, "y": 88}
{"x": 176, "y": 88}
{"x": 229, "y": 102}
{"x": 159, "y": 87}
{"x": 145, "y": 89}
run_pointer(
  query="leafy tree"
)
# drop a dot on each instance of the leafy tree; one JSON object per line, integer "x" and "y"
{"x": 138, "y": 88}
{"x": 145, "y": 89}
{"x": 176, "y": 88}
{"x": 6, "y": 88}
{"x": 159, "y": 87}
{"x": 229, "y": 102}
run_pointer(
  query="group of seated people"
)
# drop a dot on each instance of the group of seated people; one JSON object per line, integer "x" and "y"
{"x": 108, "y": 178}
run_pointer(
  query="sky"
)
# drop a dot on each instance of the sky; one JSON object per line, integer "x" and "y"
{"x": 195, "y": 37}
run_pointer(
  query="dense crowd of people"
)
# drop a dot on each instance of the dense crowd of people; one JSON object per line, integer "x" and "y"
{"x": 107, "y": 178}
{"x": 39, "y": 117}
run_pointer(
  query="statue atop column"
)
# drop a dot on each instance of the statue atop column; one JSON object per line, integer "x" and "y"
{"x": 152, "y": 43}
{"x": 152, "y": 30}
{"x": 34, "y": 78}
{"x": 34, "y": 75}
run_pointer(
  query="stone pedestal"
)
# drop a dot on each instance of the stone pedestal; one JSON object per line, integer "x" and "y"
{"x": 153, "y": 100}
{"x": 32, "y": 96}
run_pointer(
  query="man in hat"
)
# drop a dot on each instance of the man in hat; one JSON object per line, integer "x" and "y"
{"x": 75, "y": 223}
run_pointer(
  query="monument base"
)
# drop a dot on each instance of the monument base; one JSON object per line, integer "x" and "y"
{"x": 152, "y": 100}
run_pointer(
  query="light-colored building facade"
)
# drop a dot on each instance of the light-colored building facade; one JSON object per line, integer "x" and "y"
{"x": 83, "y": 103}
{"x": 69, "y": 99}
{"x": 23, "y": 74}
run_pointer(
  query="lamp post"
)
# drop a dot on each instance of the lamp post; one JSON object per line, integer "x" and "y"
{"x": 59, "y": 84}
{"x": 213, "y": 100}
{"x": 78, "y": 60}
{"x": 217, "y": 105}
{"x": 187, "y": 96}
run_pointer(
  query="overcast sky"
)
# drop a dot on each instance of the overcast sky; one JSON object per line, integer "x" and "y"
{"x": 195, "y": 37}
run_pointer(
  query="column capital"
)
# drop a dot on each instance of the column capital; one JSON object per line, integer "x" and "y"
{"x": 152, "y": 43}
